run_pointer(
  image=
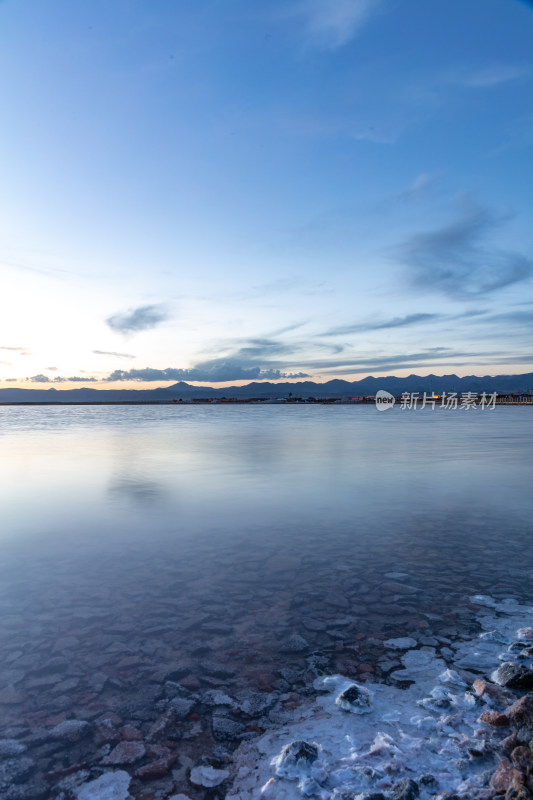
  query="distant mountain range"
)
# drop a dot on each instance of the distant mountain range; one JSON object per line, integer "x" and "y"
{"x": 503, "y": 384}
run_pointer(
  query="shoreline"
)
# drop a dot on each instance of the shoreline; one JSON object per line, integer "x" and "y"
{"x": 474, "y": 718}
{"x": 236, "y": 401}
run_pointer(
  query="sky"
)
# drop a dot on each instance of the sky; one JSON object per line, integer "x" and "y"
{"x": 221, "y": 192}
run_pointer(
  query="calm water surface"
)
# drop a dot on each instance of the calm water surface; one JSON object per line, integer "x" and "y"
{"x": 140, "y": 544}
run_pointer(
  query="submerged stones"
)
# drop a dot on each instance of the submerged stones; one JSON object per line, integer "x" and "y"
{"x": 295, "y": 644}
{"x": 401, "y": 643}
{"x": 10, "y": 747}
{"x": 208, "y": 776}
{"x": 354, "y": 698}
{"x": 182, "y": 707}
{"x": 110, "y": 786}
{"x": 71, "y": 730}
{"x": 225, "y": 728}
{"x": 126, "y": 753}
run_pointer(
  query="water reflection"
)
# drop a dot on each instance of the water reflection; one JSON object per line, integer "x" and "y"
{"x": 145, "y": 549}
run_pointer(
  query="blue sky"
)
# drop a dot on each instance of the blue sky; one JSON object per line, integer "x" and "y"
{"x": 231, "y": 191}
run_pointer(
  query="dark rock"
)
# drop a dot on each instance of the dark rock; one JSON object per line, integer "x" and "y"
{"x": 514, "y": 676}
{"x": 509, "y": 743}
{"x": 525, "y": 733}
{"x": 406, "y": 789}
{"x": 521, "y": 712}
{"x": 298, "y": 753}
{"x": 344, "y": 794}
{"x": 522, "y": 758}
{"x": 494, "y": 718}
{"x": 354, "y": 698}
{"x": 518, "y": 792}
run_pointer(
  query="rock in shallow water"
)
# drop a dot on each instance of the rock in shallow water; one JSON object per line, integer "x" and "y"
{"x": 514, "y": 676}
{"x": 295, "y": 644}
{"x": 110, "y": 786}
{"x": 125, "y": 753}
{"x": 208, "y": 776}
{"x": 225, "y": 728}
{"x": 10, "y": 747}
{"x": 71, "y": 730}
{"x": 401, "y": 643}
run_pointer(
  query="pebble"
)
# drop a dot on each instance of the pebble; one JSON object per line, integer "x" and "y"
{"x": 295, "y": 644}
{"x": 225, "y": 728}
{"x": 208, "y": 776}
{"x": 214, "y": 697}
{"x": 401, "y": 643}
{"x": 157, "y": 768}
{"x": 494, "y": 718}
{"x": 406, "y": 789}
{"x": 514, "y": 676}
{"x": 125, "y": 753}
{"x": 10, "y": 747}
{"x": 182, "y": 707}
{"x": 110, "y": 786}
{"x": 71, "y": 730}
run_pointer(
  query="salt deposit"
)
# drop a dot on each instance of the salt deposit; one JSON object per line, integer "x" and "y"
{"x": 429, "y": 733}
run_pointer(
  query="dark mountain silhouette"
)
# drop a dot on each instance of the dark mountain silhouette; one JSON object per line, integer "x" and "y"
{"x": 503, "y": 384}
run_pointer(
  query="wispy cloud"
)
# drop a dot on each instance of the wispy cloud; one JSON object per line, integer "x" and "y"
{"x": 396, "y": 322}
{"x": 330, "y": 24}
{"x": 218, "y": 370}
{"x": 420, "y": 188}
{"x": 429, "y": 358}
{"x": 495, "y": 75}
{"x": 138, "y": 319}
{"x": 59, "y": 379}
{"x": 112, "y": 353}
{"x": 456, "y": 260}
